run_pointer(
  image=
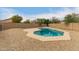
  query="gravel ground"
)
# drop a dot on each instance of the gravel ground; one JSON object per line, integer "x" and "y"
{"x": 16, "y": 40}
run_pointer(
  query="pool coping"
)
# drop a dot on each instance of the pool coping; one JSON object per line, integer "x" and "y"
{"x": 30, "y": 33}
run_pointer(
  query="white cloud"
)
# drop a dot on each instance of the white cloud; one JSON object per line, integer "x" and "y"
{"x": 59, "y": 14}
{"x": 8, "y": 12}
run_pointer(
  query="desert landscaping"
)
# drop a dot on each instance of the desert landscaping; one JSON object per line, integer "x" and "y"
{"x": 14, "y": 38}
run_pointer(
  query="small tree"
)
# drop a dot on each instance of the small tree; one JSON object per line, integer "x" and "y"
{"x": 71, "y": 18}
{"x": 16, "y": 19}
{"x": 68, "y": 19}
{"x": 27, "y": 21}
{"x": 47, "y": 21}
{"x": 55, "y": 20}
{"x": 40, "y": 21}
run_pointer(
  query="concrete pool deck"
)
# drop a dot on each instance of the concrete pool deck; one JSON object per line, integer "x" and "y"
{"x": 30, "y": 33}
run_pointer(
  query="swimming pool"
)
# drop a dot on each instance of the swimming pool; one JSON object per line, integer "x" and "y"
{"x": 48, "y": 32}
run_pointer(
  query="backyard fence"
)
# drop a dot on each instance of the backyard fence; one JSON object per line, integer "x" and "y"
{"x": 19, "y": 25}
{"x": 72, "y": 26}
{"x": 0, "y": 27}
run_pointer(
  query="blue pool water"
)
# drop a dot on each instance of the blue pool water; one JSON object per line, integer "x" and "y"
{"x": 48, "y": 32}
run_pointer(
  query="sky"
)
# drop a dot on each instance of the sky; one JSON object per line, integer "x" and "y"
{"x": 36, "y": 12}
